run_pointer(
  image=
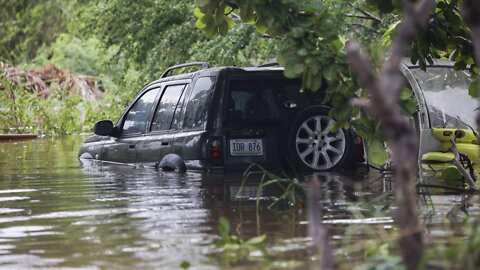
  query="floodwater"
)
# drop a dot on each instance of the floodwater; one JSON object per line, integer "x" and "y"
{"x": 56, "y": 214}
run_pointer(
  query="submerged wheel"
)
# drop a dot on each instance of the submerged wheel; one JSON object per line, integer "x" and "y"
{"x": 313, "y": 143}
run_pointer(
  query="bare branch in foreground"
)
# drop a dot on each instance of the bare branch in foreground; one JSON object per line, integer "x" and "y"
{"x": 401, "y": 135}
{"x": 317, "y": 230}
{"x": 361, "y": 103}
{"x": 458, "y": 164}
{"x": 367, "y": 15}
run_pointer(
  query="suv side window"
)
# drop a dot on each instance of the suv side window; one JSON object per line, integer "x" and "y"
{"x": 199, "y": 103}
{"x": 136, "y": 118}
{"x": 167, "y": 107}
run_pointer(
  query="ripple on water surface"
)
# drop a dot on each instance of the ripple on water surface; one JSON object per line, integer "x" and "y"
{"x": 54, "y": 214}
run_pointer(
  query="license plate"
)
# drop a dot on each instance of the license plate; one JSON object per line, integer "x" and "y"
{"x": 246, "y": 147}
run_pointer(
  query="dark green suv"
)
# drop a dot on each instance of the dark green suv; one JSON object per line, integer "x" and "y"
{"x": 223, "y": 118}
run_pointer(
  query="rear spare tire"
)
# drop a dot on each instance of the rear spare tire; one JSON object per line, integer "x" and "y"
{"x": 314, "y": 146}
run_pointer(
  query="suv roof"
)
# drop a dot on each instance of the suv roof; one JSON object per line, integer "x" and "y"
{"x": 207, "y": 69}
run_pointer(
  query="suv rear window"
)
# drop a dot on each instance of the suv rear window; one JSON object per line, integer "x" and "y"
{"x": 260, "y": 98}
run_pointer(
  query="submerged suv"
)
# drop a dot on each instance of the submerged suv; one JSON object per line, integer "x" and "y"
{"x": 223, "y": 118}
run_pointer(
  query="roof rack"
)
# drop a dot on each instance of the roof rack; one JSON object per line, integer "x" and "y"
{"x": 204, "y": 65}
{"x": 271, "y": 64}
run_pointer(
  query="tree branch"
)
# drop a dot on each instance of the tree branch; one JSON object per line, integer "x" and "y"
{"x": 317, "y": 230}
{"x": 364, "y": 26}
{"x": 367, "y": 14}
{"x": 365, "y": 17}
{"x": 361, "y": 103}
{"x": 458, "y": 164}
{"x": 401, "y": 135}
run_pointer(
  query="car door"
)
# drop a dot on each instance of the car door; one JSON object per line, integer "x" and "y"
{"x": 131, "y": 126}
{"x": 158, "y": 140}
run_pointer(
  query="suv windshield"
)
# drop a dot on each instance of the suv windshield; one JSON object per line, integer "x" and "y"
{"x": 260, "y": 98}
{"x": 446, "y": 94}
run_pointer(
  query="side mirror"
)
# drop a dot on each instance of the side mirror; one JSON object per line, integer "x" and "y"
{"x": 104, "y": 128}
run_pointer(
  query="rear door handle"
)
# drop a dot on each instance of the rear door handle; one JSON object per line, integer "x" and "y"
{"x": 290, "y": 104}
{"x": 131, "y": 146}
{"x": 164, "y": 143}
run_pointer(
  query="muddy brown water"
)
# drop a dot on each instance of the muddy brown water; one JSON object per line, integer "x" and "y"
{"x": 57, "y": 214}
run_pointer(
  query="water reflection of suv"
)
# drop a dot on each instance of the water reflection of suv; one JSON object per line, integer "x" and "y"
{"x": 223, "y": 118}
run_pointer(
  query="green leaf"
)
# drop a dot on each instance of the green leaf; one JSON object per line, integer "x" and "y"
{"x": 200, "y": 24}
{"x": 473, "y": 89}
{"x": 299, "y": 68}
{"x": 344, "y": 113}
{"x": 441, "y": 5}
{"x": 258, "y": 240}
{"x": 409, "y": 106}
{"x": 364, "y": 127}
{"x": 406, "y": 94}
{"x": 198, "y": 13}
{"x": 314, "y": 67}
{"x": 377, "y": 153}
{"x": 330, "y": 72}
{"x": 298, "y": 32}
{"x": 228, "y": 9}
{"x": 250, "y": 21}
{"x": 290, "y": 73}
{"x": 339, "y": 101}
{"x": 185, "y": 264}
{"x": 460, "y": 65}
{"x": 210, "y": 30}
{"x": 337, "y": 44}
{"x": 470, "y": 61}
{"x": 387, "y": 36}
{"x": 232, "y": 246}
{"x": 224, "y": 228}
{"x": 207, "y": 20}
{"x": 203, "y": 3}
{"x": 451, "y": 173}
{"x": 286, "y": 57}
{"x": 261, "y": 29}
{"x": 229, "y": 22}
{"x": 302, "y": 52}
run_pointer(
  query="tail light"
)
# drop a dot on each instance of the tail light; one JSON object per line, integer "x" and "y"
{"x": 216, "y": 148}
{"x": 358, "y": 149}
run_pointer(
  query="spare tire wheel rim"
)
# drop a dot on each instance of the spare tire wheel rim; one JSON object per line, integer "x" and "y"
{"x": 317, "y": 145}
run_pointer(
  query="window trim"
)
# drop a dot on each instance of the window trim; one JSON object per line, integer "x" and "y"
{"x": 187, "y": 99}
{"x": 185, "y": 84}
{"x": 125, "y": 113}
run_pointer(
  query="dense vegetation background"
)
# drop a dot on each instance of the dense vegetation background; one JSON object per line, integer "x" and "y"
{"x": 120, "y": 47}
